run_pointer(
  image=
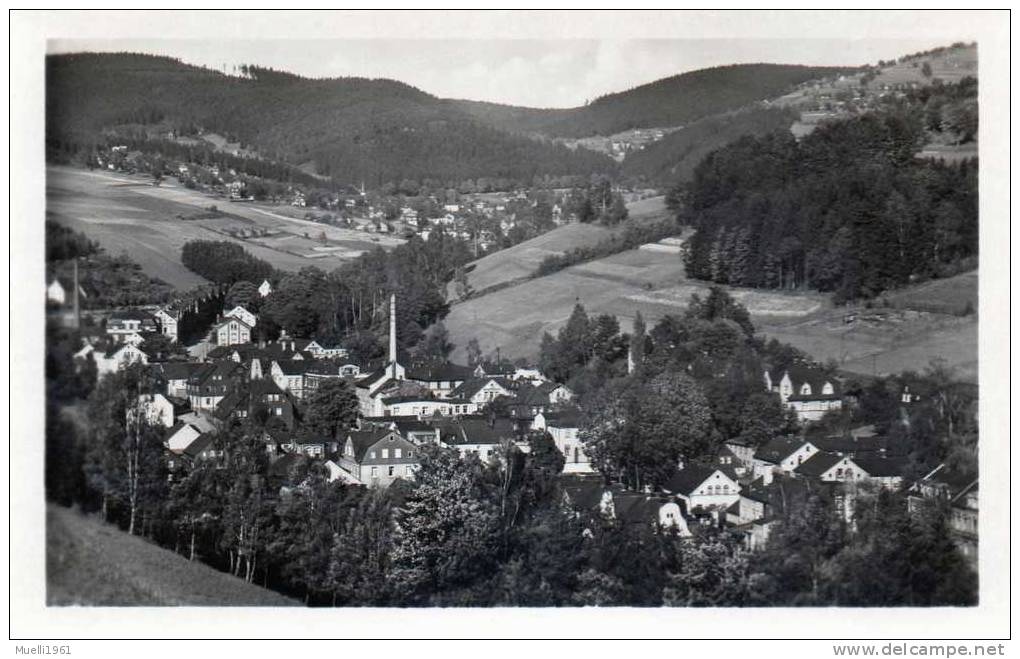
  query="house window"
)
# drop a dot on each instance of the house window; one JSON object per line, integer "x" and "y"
{"x": 371, "y": 454}
{"x": 385, "y": 453}
{"x": 396, "y": 453}
{"x": 375, "y": 472}
{"x": 391, "y": 471}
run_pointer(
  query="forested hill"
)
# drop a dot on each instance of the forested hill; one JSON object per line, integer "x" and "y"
{"x": 849, "y": 209}
{"x": 672, "y": 101}
{"x": 353, "y": 129}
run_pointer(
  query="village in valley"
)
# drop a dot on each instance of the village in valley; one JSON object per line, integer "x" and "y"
{"x": 295, "y": 411}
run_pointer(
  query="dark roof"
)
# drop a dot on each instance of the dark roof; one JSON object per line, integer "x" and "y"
{"x": 131, "y": 314}
{"x": 801, "y": 373}
{"x": 226, "y": 369}
{"x": 779, "y": 449}
{"x": 473, "y": 385}
{"x": 363, "y": 439}
{"x": 565, "y": 418}
{"x": 480, "y": 430}
{"x": 406, "y": 424}
{"x": 686, "y": 480}
{"x": 819, "y": 463}
{"x": 492, "y": 368}
{"x": 201, "y": 443}
{"x": 367, "y": 381}
{"x": 880, "y": 467}
{"x": 780, "y": 493}
{"x": 438, "y": 372}
{"x": 176, "y": 370}
{"x": 294, "y": 366}
{"x": 813, "y": 396}
{"x": 849, "y": 445}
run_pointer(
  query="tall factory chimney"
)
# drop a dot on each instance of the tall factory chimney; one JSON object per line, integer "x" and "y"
{"x": 77, "y": 303}
{"x": 393, "y": 336}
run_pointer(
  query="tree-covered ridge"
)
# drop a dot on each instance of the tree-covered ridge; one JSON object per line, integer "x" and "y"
{"x": 672, "y": 101}
{"x": 849, "y": 209}
{"x": 674, "y": 158}
{"x": 352, "y": 129}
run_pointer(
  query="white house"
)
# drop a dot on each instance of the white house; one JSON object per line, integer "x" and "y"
{"x": 111, "y": 361}
{"x": 783, "y": 454}
{"x": 265, "y": 288}
{"x": 233, "y": 331}
{"x": 703, "y": 487}
{"x": 806, "y": 390}
{"x": 422, "y": 408}
{"x": 157, "y": 410}
{"x": 480, "y": 391}
{"x": 181, "y": 436}
{"x": 564, "y": 427}
{"x": 243, "y": 314}
{"x": 167, "y": 323}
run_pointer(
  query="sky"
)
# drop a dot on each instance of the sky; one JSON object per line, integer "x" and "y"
{"x": 530, "y": 72}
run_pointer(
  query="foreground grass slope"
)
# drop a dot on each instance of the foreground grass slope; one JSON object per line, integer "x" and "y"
{"x": 94, "y": 564}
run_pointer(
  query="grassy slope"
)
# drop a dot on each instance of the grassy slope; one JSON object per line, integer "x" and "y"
{"x": 907, "y": 337}
{"x": 93, "y": 564}
{"x": 520, "y": 261}
{"x": 128, "y": 215}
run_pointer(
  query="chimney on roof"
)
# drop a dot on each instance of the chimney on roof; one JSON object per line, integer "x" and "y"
{"x": 393, "y": 336}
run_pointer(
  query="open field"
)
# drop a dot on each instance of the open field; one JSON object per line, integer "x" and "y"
{"x": 89, "y": 563}
{"x": 885, "y": 342}
{"x": 522, "y": 260}
{"x": 126, "y": 214}
{"x": 881, "y": 341}
{"x": 514, "y": 318}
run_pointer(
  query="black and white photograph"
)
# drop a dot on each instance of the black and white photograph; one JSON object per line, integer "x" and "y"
{"x": 516, "y": 311}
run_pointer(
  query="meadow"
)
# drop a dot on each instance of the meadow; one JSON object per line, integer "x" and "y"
{"x": 150, "y": 223}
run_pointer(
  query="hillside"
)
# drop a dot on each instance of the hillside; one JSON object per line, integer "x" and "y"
{"x": 672, "y": 101}
{"x": 352, "y": 129}
{"x": 674, "y": 158}
{"x": 522, "y": 260}
{"x": 89, "y": 563}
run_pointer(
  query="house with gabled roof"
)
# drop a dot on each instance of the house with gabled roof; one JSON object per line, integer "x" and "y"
{"x": 176, "y": 376}
{"x": 423, "y": 407}
{"x": 807, "y": 390}
{"x": 167, "y": 320}
{"x": 441, "y": 378}
{"x": 481, "y": 436}
{"x": 249, "y": 398}
{"x": 232, "y": 331}
{"x": 378, "y": 456}
{"x": 703, "y": 487}
{"x": 211, "y": 384}
{"x": 128, "y": 322}
{"x": 589, "y": 496}
{"x": 783, "y": 454}
{"x": 242, "y": 314}
{"x": 112, "y": 358}
{"x": 481, "y": 390}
